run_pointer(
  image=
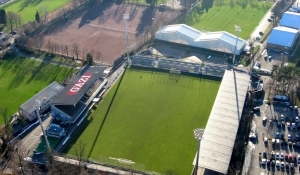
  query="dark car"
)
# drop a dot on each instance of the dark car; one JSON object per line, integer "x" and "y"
{"x": 261, "y": 33}
{"x": 255, "y": 75}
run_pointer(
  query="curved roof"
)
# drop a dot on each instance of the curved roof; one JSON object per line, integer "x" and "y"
{"x": 197, "y": 36}
{"x": 290, "y": 19}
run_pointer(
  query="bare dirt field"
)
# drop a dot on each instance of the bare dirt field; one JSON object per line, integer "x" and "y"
{"x": 100, "y": 30}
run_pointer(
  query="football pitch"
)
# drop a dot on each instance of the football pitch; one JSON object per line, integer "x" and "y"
{"x": 27, "y": 9}
{"x": 150, "y": 121}
{"x": 224, "y": 14}
{"x": 22, "y": 78}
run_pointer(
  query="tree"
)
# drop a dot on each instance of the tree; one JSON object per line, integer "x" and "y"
{"x": 2, "y": 16}
{"x": 44, "y": 10}
{"x": 3, "y": 112}
{"x": 79, "y": 150}
{"x": 37, "y": 17}
{"x": 89, "y": 59}
{"x": 13, "y": 20}
{"x": 75, "y": 50}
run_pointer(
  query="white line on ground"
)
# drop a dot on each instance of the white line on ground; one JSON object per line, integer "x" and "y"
{"x": 106, "y": 27}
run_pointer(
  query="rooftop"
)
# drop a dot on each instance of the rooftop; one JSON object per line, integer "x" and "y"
{"x": 282, "y": 36}
{"x": 55, "y": 129}
{"x": 222, "y": 126}
{"x": 79, "y": 85}
{"x": 45, "y": 94}
{"x": 290, "y": 19}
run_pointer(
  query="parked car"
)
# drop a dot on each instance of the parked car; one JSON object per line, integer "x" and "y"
{"x": 282, "y": 117}
{"x": 298, "y": 159}
{"x": 281, "y": 156}
{"x": 294, "y": 126}
{"x": 297, "y": 119}
{"x": 277, "y": 135}
{"x": 289, "y": 137}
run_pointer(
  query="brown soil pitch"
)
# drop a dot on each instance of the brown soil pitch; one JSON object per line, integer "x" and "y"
{"x": 101, "y": 28}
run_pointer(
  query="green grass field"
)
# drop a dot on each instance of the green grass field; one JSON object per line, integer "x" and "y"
{"x": 22, "y": 78}
{"x": 224, "y": 14}
{"x": 150, "y": 121}
{"x": 28, "y": 8}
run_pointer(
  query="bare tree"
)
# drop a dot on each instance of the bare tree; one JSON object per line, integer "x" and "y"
{"x": 75, "y": 3}
{"x": 62, "y": 48}
{"x": 98, "y": 56}
{"x": 49, "y": 45}
{"x": 67, "y": 50}
{"x": 83, "y": 53}
{"x": 44, "y": 11}
{"x": 38, "y": 42}
{"x": 79, "y": 150}
{"x": 75, "y": 50}
{"x": 10, "y": 17}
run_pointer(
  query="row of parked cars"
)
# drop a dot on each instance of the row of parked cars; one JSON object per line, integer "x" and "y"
{"x": 280, "y": 160}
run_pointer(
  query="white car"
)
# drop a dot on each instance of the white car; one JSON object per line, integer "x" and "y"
{"x": 282, "y": 156}
{"x": 282, "y": 165}
{"x": 294, "y": 125}
{"x": 296, "y": 119}
{"x": 288, "y": 124}
{"x": 298, "y": 159}
{"x": 277, "y": 156}
{"x": 277, "y": 163}
{"x": 282, "y": 117}
{"x": 263, "y": 161}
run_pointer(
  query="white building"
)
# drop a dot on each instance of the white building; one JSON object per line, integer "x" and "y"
{"x": 45, "y": 97}
{"x": 218, "y": 41}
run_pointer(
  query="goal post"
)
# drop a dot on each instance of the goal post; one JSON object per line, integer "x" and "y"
{"x": 175, "y": 71}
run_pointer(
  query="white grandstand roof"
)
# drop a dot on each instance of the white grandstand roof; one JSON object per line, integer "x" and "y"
{"x": 182, "y": 29}
{"x": 223, "y": 36}
{"x": 290, "y": 19}
{"x": 222, "y": 126}
{"x": 197, "y": 36}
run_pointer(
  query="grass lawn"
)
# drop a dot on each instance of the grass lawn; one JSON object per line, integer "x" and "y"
{"x": 22, "y": 78}
{"x": 27, "y": 9}
{"x": 224, "y": 14}
{"x": 150, "y": 121}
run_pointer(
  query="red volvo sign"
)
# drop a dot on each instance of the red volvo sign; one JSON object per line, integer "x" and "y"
{"x": 76, "y": 87}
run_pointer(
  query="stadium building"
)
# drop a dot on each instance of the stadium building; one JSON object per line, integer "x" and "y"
{"x": 222, "y": 126}
{"x": 78, "y": 94}
{"x": 282, "y": 39}
{"x": 221, "y": 41}
{"x": 290, "y": 20}
{"x": 44, "y": 98}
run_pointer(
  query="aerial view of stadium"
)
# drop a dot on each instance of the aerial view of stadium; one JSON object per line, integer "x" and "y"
{"x": 149, "y": 87}
{"x": 149, "y": 118}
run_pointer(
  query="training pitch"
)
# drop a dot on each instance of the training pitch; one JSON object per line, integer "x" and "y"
{"x": 149, "y": 121}
{"x": 22, "y": 78}
{"x": 100, "y": 30}
{"x": 224, "y": 14}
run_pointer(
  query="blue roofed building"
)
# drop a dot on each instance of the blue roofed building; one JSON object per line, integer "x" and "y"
{"x": 282, "y": 39}
{"x": 291, "y": 20}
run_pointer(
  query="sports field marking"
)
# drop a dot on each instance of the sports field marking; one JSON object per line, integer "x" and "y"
{"x": 111, "y": 28}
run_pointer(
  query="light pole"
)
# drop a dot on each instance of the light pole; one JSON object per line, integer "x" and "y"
{"x": 198, "y": 133}
{"x": 37, "y": 110}
{"x": 126, "y": 17}
{"x": 238, "y": 30}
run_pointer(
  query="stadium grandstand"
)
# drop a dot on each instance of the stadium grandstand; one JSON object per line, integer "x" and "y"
{"x": 222, "y": 126}
{"x": 184, "y": 65}
{"x": 220, "y": 41}
{"x": 144, "y": 61}
{"x": 78, "y": 94}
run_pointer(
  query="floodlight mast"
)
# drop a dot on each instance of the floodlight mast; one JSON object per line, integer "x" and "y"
{"x": 126, "y": 17}
{"x": 37, "y": 110}
{"x": 238, "y": 30}
{"x": 198, "y": 133}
